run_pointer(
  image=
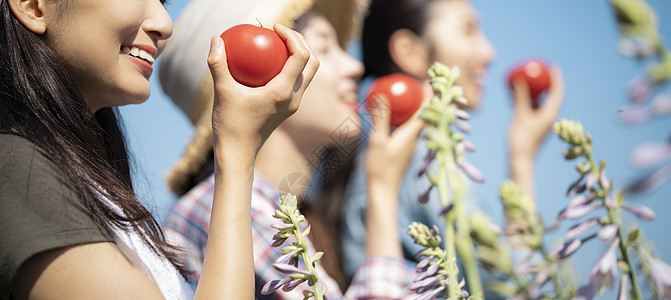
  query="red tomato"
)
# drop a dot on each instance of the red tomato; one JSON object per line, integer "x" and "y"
{"x": 402, "y": 92}
{"x": 536, "y": 73}
{"x": 255, "y": 55}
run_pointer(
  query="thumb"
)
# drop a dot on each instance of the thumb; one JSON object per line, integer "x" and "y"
{"x": 521, "y": 96}
{"x": 216, "y": 60}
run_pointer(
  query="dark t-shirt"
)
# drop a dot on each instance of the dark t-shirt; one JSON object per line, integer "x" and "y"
{"x": 39, "y": 208}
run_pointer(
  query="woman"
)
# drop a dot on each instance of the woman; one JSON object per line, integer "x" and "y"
{"x": 327, "y": 119}
{"x": 408, "y": 36}
{"x": 70, "y": 224}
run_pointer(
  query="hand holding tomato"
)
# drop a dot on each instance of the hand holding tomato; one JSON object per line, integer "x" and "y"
{"x": 244, "y": 117}
{"x": 402, "y": 92}
{"x": 536, "y": 75}
{"x": 255, "y": 54}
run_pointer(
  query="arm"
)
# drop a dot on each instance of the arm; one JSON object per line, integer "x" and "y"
{"x": 241, "y": 125}
{"x": 385, "y": 274}
{"x": 528, "y": 129}
{"x": 386, "y": 159}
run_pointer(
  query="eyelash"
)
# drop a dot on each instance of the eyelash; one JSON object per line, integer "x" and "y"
{"x": 165, "y": 2}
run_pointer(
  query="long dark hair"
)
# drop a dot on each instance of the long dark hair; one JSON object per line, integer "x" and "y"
{"x": 383, "y": 19}
{"x": 41, "y": 103}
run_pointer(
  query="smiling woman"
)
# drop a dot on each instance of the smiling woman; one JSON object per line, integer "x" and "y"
{"x": 66, "y": 192}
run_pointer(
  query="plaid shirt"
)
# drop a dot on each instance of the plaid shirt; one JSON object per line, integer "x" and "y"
{"x": 187, "y": 226}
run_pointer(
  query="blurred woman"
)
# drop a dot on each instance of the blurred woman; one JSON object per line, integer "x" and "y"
{"x": 407, "y": 36}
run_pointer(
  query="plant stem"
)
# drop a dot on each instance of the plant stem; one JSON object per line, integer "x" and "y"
{"x": 313, "y": 282}
{"x": 449, "y": 235}
{"x": 466, "y": 253}
{"x": 636, "y": 295}
{"x": 553, "y": 272}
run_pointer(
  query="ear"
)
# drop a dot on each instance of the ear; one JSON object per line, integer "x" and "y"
{"x": 409, "y": 52}
{"x": 30, "y": 13}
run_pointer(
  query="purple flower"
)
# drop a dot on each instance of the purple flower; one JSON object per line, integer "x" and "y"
{"x": 609, "y": 201}
{"x": 541, "y": 278}
{"x": 641, "y": 212}
{"x": 608, "y": 233}
{"x": 274, "y": 285}
{"x": 432, "y": 294}
{"x": 651, "y": 154}
{"x": 462, "y": 125}
{"x": 471, "y": 171}
{"x": 424, "y": 197}
{"x": 591, "y": 180}
{"x": 293, "y": 284}
{"x": 576, "y": 187}
{"x": 565, "y": 250}
{"x": 580, "y": 228}
{"x": 660, "y": 274}
{"x": 462, "y": 114}
{"x": 581, "y": 200}
{"x": 622, "y": 293}
{"x": 430, "y": 156}
{"x": 661, "y": 104}
{"x": 284, "y": 259}
{"x": 651, "y": 181}
{"x": 468, "y": 145}
{"x": 576, "y": 212}
{"x": 603, "y": 180}
{"x": 290, "y": 269}
{"x": 634, "y": 114}
{"x": 603, "y": 273}
{"x": 640, "y": 88}
{"x": 446, "y": 209}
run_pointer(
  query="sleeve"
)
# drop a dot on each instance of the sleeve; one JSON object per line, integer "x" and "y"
{"x": 191, "y": 250}
{"x": 382, "y": 278}
{"x": 40, "y": 211}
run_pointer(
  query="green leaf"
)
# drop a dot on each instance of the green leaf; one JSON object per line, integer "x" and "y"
{"x": 307, "y": 231}
{"x": 632, "y": 235}
{"x": 623, "y": 266}
{"x": 317, "y": 257}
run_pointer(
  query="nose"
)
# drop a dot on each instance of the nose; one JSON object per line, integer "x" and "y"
{"x": 157, "y": 22}
{"x": 352, "y": 67}
{"x": 487, "y": 49}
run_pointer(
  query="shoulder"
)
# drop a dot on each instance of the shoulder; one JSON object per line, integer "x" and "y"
{"x": 18, "y": 156}
{"x": 41, "y": 209}
{"x": 26, "y": 171}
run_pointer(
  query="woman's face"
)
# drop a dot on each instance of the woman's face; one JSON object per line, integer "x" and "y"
{"x": 108, "y": 47}
{"x": 330, "y": 101}
{"x": 457, "y": 39}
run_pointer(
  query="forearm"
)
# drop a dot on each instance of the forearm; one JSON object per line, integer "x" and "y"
{"x": 228, "y": 267}
{"x": 383, "y": 237}
{"x": 521, "y": 172}
{"x": 521, "y": 167}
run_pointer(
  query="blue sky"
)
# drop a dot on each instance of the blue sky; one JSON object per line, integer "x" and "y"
{"x": 578, "y": 36}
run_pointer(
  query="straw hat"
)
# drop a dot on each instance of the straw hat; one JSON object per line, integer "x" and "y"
{"x": 183, "y": 70}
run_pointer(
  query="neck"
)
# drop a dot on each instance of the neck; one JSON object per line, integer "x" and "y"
{"x": 283, "y": 163}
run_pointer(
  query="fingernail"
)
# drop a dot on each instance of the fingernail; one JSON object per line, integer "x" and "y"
{"x": 216, "y": 42}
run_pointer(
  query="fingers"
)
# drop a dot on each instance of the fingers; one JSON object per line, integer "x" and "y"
{"x": 312, "y": 65}
{"x": 216, "y": 60}
{"x": 521, "y": 97}
{"x": 380, "y": 112}
{"x": 409, "y": 131}
{"x": 297, "y": 62}
{"x": 555, "y": 95}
